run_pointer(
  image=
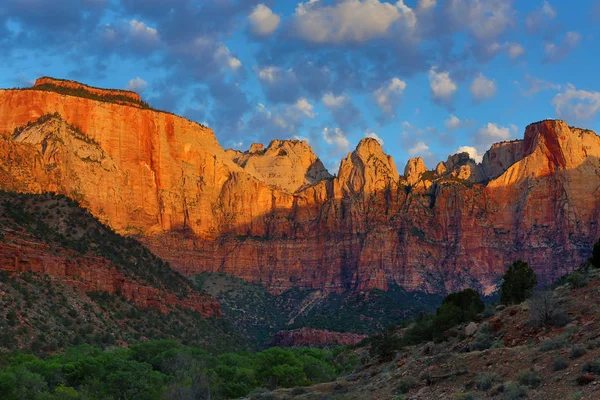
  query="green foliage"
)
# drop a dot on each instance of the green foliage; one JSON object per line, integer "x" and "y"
{"x": 514, "y": 391}
{"x": 529, "y": 378}
{"x": 485, "y": 381}
{"x": 592, "y": 367}
{"x": 406, "y": 384}
{"x": 577, "y": 280}
{"x": 161, "y": 369}
{"x": 560, "y": 364}
{"x": 456, "y": 308}
{"x": 554, "y": 343}
{"x": 483, "y": 338}
{"x": 385, "y": 345}
{"x": 577, "y": 351}
{"x": 518, "y": 284}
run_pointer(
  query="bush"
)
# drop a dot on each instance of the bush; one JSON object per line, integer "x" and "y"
{"x": 385, "y": 345}
{"x": 529, "y": 378}
{"x": 554, "y": 344}
{"x": 456, "y": 308}
{"x": 465, "y": 396}
{"x": 592, "y": 367}
{"x": 577, "y": 280}
{"x": 406, "y": 384}
{"x": 485, "y": 381}
{"x": 483, "y": 339}
{"x": 545, "y": 311}
{"x": 519, "y": 281}
{"x": 514, "y": 391}
{"x": 560, "y": 364}
{"x": 576, "y": 351}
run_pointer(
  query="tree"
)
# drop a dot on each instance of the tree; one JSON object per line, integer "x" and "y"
{"x": 456, "y": 308}
{"x": 595, "y": 260}
{"x": 518, "y": 284}
{"x": 385, "y": 345}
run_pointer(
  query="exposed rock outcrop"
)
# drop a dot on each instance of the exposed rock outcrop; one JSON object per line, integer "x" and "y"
{"x": 167, "y": 180}
{"x": 314, "y": 337}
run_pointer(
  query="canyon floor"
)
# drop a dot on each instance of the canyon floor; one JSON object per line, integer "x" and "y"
{"x": 524, "y": 361}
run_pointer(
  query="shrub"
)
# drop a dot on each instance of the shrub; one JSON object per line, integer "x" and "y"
{"x": 560, "y": 364}
{"x": 577, "y": 280}
{"x": 519, "y": 281}
{"x": 385, "y": 345}
{"x": 485, "y": 381}
{"x": 406, "y": 384}
{"x": 592, "y": 367}
{"x": 465, "y": 396}
{"x": 514, "y": 391}
{"x": 576, "y": 351}
{"x": 545, "y": 311}
{"x": 483, "y": 338}
{"x": 529, "y": 378}
{"x": 456, "y": 308}
{"x": 553, "y": 344}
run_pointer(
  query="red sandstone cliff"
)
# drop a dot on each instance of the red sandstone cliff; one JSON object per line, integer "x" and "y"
{"x": 167, "y": 180}
{"x": 314, "y": 337}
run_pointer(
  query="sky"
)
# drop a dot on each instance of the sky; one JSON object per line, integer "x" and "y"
{"x": 427, "y": 78}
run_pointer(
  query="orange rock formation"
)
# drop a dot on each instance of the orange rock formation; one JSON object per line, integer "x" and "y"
{"x": 168, "y": 181}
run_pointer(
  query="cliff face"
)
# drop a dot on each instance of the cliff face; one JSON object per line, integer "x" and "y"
{"x": 167, "y": 181}
{"x": 314, "y": 337}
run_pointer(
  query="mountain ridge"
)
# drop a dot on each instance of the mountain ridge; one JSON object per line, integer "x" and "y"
{"x": 192, "y": 204}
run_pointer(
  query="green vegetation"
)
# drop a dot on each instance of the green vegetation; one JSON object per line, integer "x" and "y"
{"x": 518, "y": 284}
{"x": 82, "y": 92}
{"x": 485, "y": 381}
{"x": 529, "y": 378}
{"x": 161, "y": 370}
{"x": 560, "y": 364}
{"x": 456, "y": 308}
{"x": 385, "y": 345}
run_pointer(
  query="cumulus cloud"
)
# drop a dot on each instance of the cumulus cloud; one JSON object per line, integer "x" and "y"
{"x": 373, "y": 135}
{"x": 336, "y": 137}
{"x": 452, "y": 122}
{"x": 332, "y": 101}
{"x": 143, "y": 32}
{"x": 343, "y": 110}
{"x": 279, "y": 84}
{"x": 223, "y": 54}
{"x": 442, "y": 86}
{"x": 576, "y": 104}
{"x": 536, "y": 85}
{"x": 539, "y": 17}
{"x": 419, "y": 148}
{"x": 492, "y": 133}
{"x": 137, "y": 84}
{"x": 388, "y": 96}
{"x": 482, "y": 88}
{"x": 350, "y": 21}
{"x": 263, "y": 22}
{"x": 514, "y": 50}
{"x": 554, "y": 52}
{"x": 473, "y": 153}
{"x": 304, "y": 107}
{"x": 485, "y": 19}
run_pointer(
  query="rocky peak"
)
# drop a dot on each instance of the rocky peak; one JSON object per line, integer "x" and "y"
{"x": 367, "y": 169}
{"x": 414, "y": 170}
{"x": 287, "y": 164}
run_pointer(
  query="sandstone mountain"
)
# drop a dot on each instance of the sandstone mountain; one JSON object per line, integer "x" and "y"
{"x": 275, "y": 216}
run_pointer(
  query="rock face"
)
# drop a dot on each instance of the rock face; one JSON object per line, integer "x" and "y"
{"x": 271, "y": 217}
{"x": 314, "y": 337}
{"x": 290, "y": 165}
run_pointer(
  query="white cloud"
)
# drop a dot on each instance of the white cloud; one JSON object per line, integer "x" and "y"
{"x": 482, "y": 88}
{"x": 576, "y": 104}
{"x": 473, "y": 153}
{"x": 485, "y": 19}
{"x": 492, "y": 133}
{"x": 304, "y": 107}
{"x": 536, "y": 85}
{"x": 388, "y": 95}
{"x": 142, "y": 32}
{"x": 351, "y": 21}
{"x": 263, "y": 21}
{"x": 332, "y": 101}
{"x": 223, "y": 54}
{"x": 514, "y": 50}
{"x": 373, "y": 135}
{"x": 137, "y": 84}
{"x": 554, "y": 52}
{"x": 537, "y": 18}
{"x": 442, "y": 86}
{"x": 423, "y": 5}
{"x": 335, "y": 137}
{"x": 452, "y": 122}
{"x": 269, "y": 74}
{"x": 419, "y": 148}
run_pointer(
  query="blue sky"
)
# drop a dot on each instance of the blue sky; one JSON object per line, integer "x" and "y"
{"x": 425, "y": 77}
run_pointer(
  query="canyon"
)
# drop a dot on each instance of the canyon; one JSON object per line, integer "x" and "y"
{"x": 275, "y": 216}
